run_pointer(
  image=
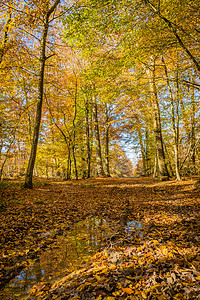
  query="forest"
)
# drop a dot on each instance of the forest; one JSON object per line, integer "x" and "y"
{"x": 81, "y": 80}
{"x": 85, "y": 85}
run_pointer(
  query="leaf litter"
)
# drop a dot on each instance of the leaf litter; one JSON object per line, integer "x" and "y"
{"x": 158, "y": 260}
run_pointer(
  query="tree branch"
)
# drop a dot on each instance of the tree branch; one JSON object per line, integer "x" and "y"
{"x": 174, "y": 30}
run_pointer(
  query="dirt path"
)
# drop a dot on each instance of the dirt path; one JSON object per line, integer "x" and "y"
{"x": 169, "y": 212}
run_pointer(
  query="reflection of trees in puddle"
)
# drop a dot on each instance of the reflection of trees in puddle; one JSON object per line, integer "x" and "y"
{"x": 67, "y": 253}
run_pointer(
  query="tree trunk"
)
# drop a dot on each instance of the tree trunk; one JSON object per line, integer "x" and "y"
{"x": 28, "y": 110}
{"x": 193, "y": 129}
{"x": 29, "y": 172}
{"x": 138, "y": 126}
{"x": 155, "y": 168}
{"x": 74, "y": 159}
{"x": 157, "y": 126}
{"x": 107, "y": 143}
{"x": 87, "y": 127}
{"x": 69, "y": 163}
{"x": 169, "y": 159}
{"x": 99, "y": 163}
{"x": 147, "y": 152}
{"x": 74, "y": 133}
{"x": 31, "y": 163}
{"x": 175, "y": 126}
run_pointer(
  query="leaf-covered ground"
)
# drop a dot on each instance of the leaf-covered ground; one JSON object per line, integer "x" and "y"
{"x": 161, "y": 261}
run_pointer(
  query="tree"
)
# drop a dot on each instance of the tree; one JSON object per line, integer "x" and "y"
{"x": 99, "y": 162}
{"x": 157, "y": 122}
{"x": 107, "y": 157}
{"x": 42, "y": 60}
{"x": 175, "y": 125}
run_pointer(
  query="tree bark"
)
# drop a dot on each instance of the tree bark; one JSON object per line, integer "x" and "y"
{"x": 169, "y": 159}
{"x": 138, "y": 126}
{"x": 87, "y": 127}
{"x": 29, "y": 172}
{"x": 155, "y": 168}
{"x": 107, "y": 161}
{"x": 147, "y": 152}
{"x": 74, "y": 132}
{"x": 193, "y": 132}
{"x": 99, "y": 163}
{"x": 69, "y": 164}
{"x": 174, "y": 125}
{"x": 157, "y": 125}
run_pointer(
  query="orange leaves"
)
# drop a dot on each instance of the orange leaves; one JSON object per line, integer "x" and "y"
{"x": 128, "y": 291}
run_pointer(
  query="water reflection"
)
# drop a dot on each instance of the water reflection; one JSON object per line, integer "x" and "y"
{"x": 68, "y": 252}
{"x": 132, "y": 226}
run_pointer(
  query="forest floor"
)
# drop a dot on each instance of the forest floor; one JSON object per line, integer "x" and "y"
{"x": 158, "y": 260}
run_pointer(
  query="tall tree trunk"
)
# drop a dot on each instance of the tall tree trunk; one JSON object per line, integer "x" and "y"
{"x": 157, "y": 125}
{"x": 175, "y": 126}
{"x": 69, "y": 163}
{"x": 193, "y": 137}
{"x": 29, "y": 172}
{"x": 87, "y": 127}
{"x": 155, "y": 168}
{"x": 138, "y": 126}
{"x": 185, "y": 119}
{"x": 107, "y": 163}
{"x": 99, "y": 163}
{"x": 169, "y": 159}
{"x": 27, "y": 108}
{"x": 147, "y": 152}
{"x": 74, "y": 159}
{"x": 74, "y": 132}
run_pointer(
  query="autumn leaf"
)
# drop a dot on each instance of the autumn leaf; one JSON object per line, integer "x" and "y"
{"x": 197, "y": 278}
{"x": 128, "y": 290}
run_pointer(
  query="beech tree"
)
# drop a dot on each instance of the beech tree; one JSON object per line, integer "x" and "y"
{"x": 47, "y": 11}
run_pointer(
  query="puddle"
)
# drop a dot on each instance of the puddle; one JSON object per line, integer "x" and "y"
{"x": 66, "y": 254}
{"x": 132, "y": 226}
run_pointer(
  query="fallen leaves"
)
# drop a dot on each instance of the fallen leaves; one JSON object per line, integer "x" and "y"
{"x": 128, "y": 290}
{"x": 157, "y": 261}
{"x": 160, "y": 278}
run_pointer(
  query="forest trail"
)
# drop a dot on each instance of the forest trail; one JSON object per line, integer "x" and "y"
{"x": 159, "y": 262}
